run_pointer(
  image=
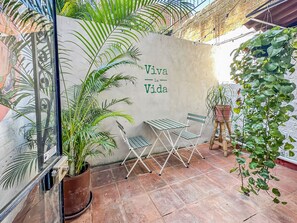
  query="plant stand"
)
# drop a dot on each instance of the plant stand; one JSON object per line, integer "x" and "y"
{"x": 221, "y": 140}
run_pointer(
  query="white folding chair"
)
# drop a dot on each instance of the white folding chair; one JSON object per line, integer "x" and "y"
{"x": 134, "y": 143}
{"x": 191, "y": 138}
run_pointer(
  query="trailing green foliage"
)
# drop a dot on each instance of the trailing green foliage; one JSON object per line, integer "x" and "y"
{"x": 260, "y": 66}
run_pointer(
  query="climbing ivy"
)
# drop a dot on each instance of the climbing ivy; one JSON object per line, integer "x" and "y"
{"x": 260, "y": 67}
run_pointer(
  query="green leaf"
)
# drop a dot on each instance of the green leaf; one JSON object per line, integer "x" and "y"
{"x": 290, "y": 108}
{"x": 276, "y": 192}
{"x": 284, "y": 202}
{"x": 253, "y": 165}
{"x": 271, "y": 67}
{"x": 292, "y": 139}
{"x": 288, "y": 146}
{"x": 291, "y": 153}
{"x": 276, "y": 200}
{"x": 233, "y": 169}
{"x": 240, "y": 160}
{"x": 269, "y": 92}
{"x": 269, "y": 163}
{"x": 273, "y": 51}
{"x": 251, "y": 181}
{"x": 236, "y": 110}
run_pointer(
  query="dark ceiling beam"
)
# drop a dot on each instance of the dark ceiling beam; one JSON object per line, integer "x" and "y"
{"x": 289, "y": 18}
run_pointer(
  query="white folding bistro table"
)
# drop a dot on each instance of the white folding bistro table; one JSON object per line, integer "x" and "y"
{"x": 164, "y": 127}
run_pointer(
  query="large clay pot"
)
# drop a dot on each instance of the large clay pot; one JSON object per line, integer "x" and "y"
{"x": 77, "y": 193}
{"x": 223, "y": 113}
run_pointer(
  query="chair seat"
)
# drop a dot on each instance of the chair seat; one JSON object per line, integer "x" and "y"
{"x": 137, "y": 142}
{"x": 187, "y": 135}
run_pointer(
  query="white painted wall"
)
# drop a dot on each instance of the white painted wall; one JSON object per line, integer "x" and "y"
{"x": 190, "y": 71}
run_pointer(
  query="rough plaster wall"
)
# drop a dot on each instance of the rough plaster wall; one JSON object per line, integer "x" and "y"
{"x": 219, "y": 18}
{"x": 190, "y": 73}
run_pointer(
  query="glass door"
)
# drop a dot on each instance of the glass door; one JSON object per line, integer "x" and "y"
{"x": 29, "y": 112}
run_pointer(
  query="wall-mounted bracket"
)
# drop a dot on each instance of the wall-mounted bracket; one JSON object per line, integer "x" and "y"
{"x": 60, "y": 170}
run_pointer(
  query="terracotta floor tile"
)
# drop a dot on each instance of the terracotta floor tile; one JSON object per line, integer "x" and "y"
{"x": 130, "y": 188}
{"x": 219, "y": 161}
{"x": 207, "y": 186}
{"x": 84, "y": 218}
{"x": 260, "y": 218}
{"x": 187, "y": 191}
{"x": 171, "y": 175}
{"x": 203, "y": 166}
{"x": 140, "y": 169}
{"x": 141, "y": 209}
{"x": 151, "y": 182}
{"x": 105, "y": 195}
{"x": 159, "y": 220}
{"x": 181, "y": 216}
{"x": 258, "y": 202}
{"x": 280, "y": 213}
{"x": 161, "y": 159}
{"x": 188, "y": 172}
{"x": 285, "y": 185}
{"x": 120, "y": 172}
{"x": 204, "y": 192}
{"x": 209, "y": 211}
{"x": 204, "y": 150}
{"x": 224, "y": 179}
{"x": 166, "y": 200}
{"x": 113, "y": 213}
{"x": 235, "y": 206}
{"x": 292, "y": 201}
{"x": 101, "y": 178}
{"x": 152, "y": 165}
{"x": 173, "y": 161}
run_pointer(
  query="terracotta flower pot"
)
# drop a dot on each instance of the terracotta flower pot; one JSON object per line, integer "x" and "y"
{"x": 223, "y": 113}
{"x": 77, "y": 193}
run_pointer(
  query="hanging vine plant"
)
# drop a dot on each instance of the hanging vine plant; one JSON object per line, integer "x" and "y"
{"x": 261, "y": 66}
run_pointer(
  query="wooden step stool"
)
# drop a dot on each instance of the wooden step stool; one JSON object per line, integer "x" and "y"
{"x": 221, "y": 141}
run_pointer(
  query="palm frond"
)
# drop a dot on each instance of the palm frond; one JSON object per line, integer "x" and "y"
{"x": 22, "y": 164}
{"x": 123, "y": 22}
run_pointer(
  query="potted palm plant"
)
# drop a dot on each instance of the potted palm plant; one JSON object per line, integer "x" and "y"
{"x": 84, "y": 107}
{"x": 219, "y": 102}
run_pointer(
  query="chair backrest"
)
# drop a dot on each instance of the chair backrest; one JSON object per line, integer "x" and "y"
{"x": 197, "y": 118}
{"x": 122, "y": 131}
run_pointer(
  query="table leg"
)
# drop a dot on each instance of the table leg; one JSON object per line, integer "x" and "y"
{"x": 223, "y": 132}
{"x": 154, "y": 144}
{"x": 213, "y": 135}
{"x": 172, "y": 150}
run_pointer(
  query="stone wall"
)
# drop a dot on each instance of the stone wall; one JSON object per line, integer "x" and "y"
{"x": 219, "y": 18}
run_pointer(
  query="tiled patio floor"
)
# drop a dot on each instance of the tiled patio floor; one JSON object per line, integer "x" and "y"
{"x": 205, "y": 192}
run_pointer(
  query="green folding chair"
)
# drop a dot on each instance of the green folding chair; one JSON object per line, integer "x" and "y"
{"x": 134, "y": 143}
{"x": 191, "y": 138}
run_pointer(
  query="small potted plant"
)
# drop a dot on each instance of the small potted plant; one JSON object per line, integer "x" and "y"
{"x": 219, "y": 102}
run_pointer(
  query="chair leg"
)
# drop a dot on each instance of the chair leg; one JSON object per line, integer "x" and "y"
{"x": 199, "y": 153}
{"x": 132, "y": 168}
{"x": 139, "y": 157}
{"x": 126, "y": 157}
{"x": 191, "y": 155}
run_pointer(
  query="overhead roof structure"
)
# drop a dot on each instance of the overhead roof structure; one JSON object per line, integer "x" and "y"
{"x": 281, "y": 13}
